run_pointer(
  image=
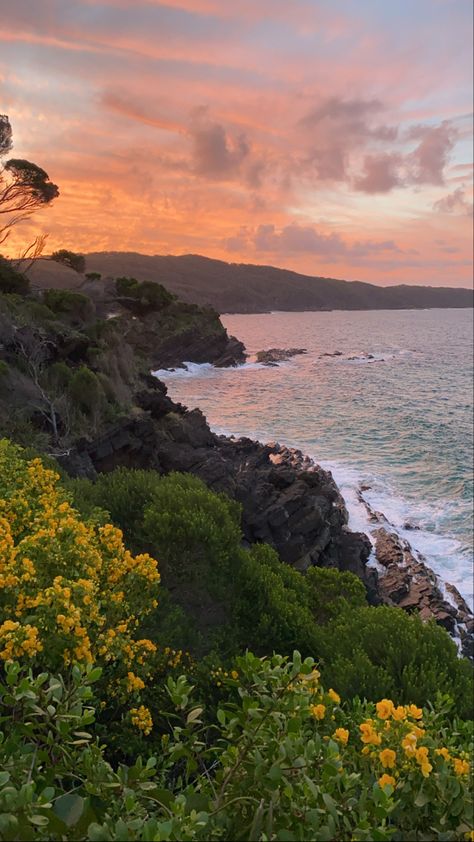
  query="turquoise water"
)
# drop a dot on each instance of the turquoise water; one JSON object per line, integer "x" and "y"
{"x": 400, "y": 423}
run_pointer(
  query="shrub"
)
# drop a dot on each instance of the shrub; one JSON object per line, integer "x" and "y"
{"x": 151, "y": 295}
{"x": 127, "y": 286}
{"x": 374, "y": 652}
{"x": 283, "y": 759}
{"x": 271, "y": 605}
{"x": 70, "y": 591}
{"x": 11, "y": 281}
{"x": 124, "y": 493}
{"x": 196, "y": 532}
{"x": 86, "y": 391}
{"x": 71, "y": 303}
{"x": 93, "y": 276}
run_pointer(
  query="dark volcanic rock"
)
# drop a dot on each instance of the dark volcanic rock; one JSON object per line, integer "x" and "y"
{"x": 278, "y": 355}
{"x": 286, "y": 500}
{"x": 413, "y": 586}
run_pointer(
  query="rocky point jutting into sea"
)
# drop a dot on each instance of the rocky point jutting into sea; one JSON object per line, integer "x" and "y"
{"x": 287, "y": 501}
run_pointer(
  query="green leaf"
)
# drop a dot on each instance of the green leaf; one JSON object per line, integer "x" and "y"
{"x": 69, "y": 808}
{"x": 193, "y": 715}
{"x": 421, "y": 799}
{"x": 38, "y": 820}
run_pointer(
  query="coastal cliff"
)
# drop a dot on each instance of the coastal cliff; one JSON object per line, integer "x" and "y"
{"x": 76, "y": 383}
{"x": 287, "y": 501}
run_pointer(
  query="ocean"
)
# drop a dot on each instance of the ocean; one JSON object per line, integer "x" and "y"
{"x": 397, "y": 418}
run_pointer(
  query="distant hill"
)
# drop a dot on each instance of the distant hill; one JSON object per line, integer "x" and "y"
{"x": 247, "y": 288}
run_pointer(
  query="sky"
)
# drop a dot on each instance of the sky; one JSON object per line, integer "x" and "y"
{"x": 332, "y": 137}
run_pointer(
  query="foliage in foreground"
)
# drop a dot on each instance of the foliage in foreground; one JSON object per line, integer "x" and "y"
{"x": 283, "y": 760}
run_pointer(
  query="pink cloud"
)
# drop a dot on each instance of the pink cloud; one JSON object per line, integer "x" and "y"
{"x": 455, "y": 202}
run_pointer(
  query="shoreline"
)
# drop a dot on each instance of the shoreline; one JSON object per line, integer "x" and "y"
{"x": 399, "y": 576}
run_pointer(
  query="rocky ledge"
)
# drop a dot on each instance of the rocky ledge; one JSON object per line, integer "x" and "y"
{"x": 406, "y": 580}
{"x": 287, "y": 501}
{"x": 278, "y": 355}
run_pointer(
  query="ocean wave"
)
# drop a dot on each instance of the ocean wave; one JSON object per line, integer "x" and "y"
{"x": 419, "y": 523}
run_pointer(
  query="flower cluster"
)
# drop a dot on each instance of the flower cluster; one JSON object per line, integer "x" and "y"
{"x": 141, "y": 719}
{"x": 397, "y": 740}
{"x": 69, "y": 589}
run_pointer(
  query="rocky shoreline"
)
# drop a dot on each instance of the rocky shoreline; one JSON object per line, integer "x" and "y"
{"x": 287, "y": 501}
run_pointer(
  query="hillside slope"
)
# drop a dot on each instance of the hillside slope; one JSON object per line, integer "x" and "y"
{"x": 247, "y": 288}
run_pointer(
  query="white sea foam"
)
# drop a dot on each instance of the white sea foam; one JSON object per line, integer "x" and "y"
{"x": 442, "y": 551}
{"x": 205, "y": 370}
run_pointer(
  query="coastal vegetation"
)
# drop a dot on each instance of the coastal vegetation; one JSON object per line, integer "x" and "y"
{"x": 234, "y": 745}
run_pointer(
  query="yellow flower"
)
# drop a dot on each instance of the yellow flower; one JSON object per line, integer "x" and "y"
{"x": 443, "y": 752}
{"x": 141, "y": 718}
{"x": 414, "y": 712}
{"x": 409, "y": 744}
{"x": 318, "y": 711}
{"x": 234, "y": 674}
{"x": 334, "y": 696}
{"x": 461, "y": 767}
{"x": 341, "y": 735}
{"x": 386, "y": 780}
{"x": 384, "y": 708}
{"x": 388, "y": 758}
{"x": 134, "y": 682}
{"x": 421, "y": 755}
{"x": 369, "y": 735}
{"x": 399, "y": 713}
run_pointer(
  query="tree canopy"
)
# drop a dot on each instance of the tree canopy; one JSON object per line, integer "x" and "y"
{"x": 24, "y": 186}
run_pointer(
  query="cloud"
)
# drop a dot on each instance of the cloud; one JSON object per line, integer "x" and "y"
{"x": 339, "y": 127}
{"x": 296, "y": 239}
{"x": 455, "y": 203}
{"x": 129, "y": 107}
{"x": 381, "y": 173}
{"x": 430, "y": 157}
{"x": 216, "y": 154}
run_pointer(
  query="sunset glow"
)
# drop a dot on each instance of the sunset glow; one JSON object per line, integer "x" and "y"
{"x": 334, "y": 138}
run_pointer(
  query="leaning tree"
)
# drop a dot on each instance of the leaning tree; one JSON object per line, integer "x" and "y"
{"x": 24, "y": 187}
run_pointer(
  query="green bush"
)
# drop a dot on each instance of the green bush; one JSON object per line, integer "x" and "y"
{"x": 11, "y": 281}
{"x": 153, "y": 296}
{"x": 375, "y": 652}
{"x": 195, "y": 533}
{"x": 73, "y": 304}
{"x": 282, "y": 759}
{"x": 85, "y": 391}
{"x": 124, "y": 493}
{"x": 271, "y": 611}
{"x": 228, "y": 598}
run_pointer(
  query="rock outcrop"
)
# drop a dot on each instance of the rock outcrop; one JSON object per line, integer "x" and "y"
{"x": 278, "y": 355}
{"x": 409, "y": 583}
{"x": 287, "y": 500}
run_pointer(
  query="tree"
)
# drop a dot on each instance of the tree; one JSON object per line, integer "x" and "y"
{"x": 35, "y": 350}
{"x": 24, "y": 186}
{"x": 70, "y": 259}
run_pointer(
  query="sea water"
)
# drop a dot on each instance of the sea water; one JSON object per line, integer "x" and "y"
{"x": 396, "y": 419}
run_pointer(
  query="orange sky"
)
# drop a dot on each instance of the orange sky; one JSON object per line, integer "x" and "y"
{"x": 334, "y": 138}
